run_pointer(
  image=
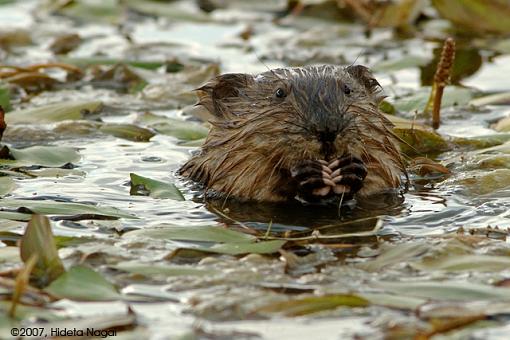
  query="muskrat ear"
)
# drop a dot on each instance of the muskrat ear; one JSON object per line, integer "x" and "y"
{"x": 213, "y": 93}
{"x": 365, "y": 77}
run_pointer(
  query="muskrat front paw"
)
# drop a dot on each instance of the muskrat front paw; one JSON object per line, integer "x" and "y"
{"x": 348, "y": 173}
{"x": 313, "y": 179}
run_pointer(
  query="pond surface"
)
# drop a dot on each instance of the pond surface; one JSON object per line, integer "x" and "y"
{"x": 427, "y": 263}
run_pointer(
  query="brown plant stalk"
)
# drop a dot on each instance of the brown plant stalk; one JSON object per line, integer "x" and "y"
{"x": 441, "y": 79}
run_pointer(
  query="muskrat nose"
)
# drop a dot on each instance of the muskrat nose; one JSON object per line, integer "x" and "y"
{"x": 327, "y": 135}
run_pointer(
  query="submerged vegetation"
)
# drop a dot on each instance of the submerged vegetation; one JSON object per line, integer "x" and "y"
{"x": 96, "y": 231}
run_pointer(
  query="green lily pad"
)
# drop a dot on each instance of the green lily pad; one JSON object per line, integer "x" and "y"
{"x": 49, "y": 156}
{"x": 83, "y": 284}
{"x": 313, "y": 304}
{"x": 38, "y": 241}
{"x": 69, "y": 110}
{"x": 155, "y": 189}
{"x": 63, "y": 208}
{"x": 174, "y": 127}
{"x": 6, "y": 185}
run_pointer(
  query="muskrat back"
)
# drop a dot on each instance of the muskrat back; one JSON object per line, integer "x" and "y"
{"x": 309, "y": 133}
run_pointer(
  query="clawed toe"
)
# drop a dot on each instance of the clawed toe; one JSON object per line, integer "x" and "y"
{"x": 313, "y": 179}
{"x": 317, "y": 179}
{"x": 348, "y": 172}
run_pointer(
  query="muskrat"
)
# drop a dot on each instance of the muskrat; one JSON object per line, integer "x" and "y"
{"x": 311, "y": 133}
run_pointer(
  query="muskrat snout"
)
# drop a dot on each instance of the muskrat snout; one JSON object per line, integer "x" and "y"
{"x": 327, "y": 135}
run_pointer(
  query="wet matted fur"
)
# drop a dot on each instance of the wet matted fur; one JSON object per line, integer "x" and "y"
{"x": 266, "y": 125}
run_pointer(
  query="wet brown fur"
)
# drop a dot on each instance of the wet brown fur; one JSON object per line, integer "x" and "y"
{"x": 257, "y": 137}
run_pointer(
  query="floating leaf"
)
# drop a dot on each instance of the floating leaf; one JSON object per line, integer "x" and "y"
{"x": 174, "y": 11}
{"x": 84, "y": 62}
{"x": 417, "y": 138}
{"x": 26, "y": 312}
{"x": 16, "y": 216}
{"x": 119, "y": 77}
{"x": 453, "y": 95}
{"x": 9, "y": 256}
{"x": 484, "y": 141}
{"x": 174, "y": 127}
{"x": 127, "y": 131}
{"x": 265, "y": 247}
{"x": 53, "y": 172}
{"x": 63, "y": 208}
{"x": 476, "y": 15}
{"x": 446, "y": 290}
{"x": 392, "y": 254}
{"x": 487, "y": 182}
{"x": 393, "y": 300}
{"x": 220, "y": 240}
{"x": 65, "y": 43}
{"x": 5, "y": 100}
{"x": 148, "y": 269}
{"x": 106, "y": 11}
{"x": 199, "y": 234}
{"x": 50, "y": 156}
{"x": 6, "y": 185}
{"x": 38, "y": 241}
{"x": 474, "y": 262}
{"x": 409, "y": 61}
{"x": 313, "y": 304}
{"x": 155, "y": 189}
{"x": 67, "y": 241}
{"x": 83, "y": 284}
{"x": 503, "y": 125}
{"x": 492, "y": 99}
{"x": 72, "y": 110}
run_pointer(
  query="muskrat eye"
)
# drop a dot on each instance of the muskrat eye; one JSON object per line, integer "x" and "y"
{"x": 347, "y": 89}
{"x": 280, "y": 93}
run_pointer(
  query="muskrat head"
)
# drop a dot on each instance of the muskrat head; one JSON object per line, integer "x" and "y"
{"x": 309, "y": 133}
